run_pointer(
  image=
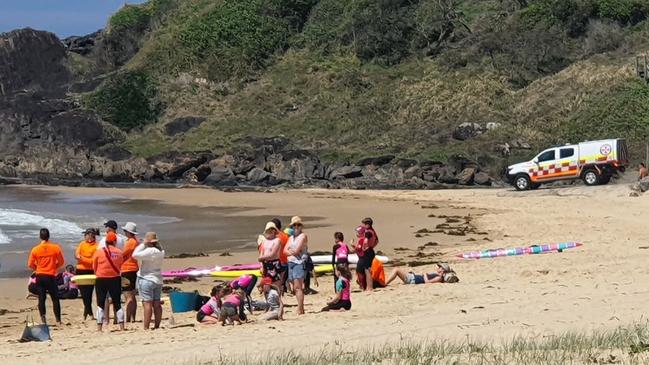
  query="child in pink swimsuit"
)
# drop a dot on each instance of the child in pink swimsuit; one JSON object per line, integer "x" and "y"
{"x": 210, "y": 311}
{"x": 232, "y": 307}
{"x": 339, "y": 254}
{"x": 342, "y": 300}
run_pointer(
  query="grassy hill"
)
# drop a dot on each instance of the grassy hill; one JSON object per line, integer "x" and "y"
{"x": 357, "y": 78}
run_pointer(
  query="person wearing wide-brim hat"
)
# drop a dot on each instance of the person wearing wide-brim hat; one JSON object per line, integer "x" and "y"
{"x": 296, "y": 250}
{"x": 269, "y": 251}
{"x": 150, "y": 256}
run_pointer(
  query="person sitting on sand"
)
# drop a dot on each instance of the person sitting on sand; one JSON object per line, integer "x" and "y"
{"x": 150, "y": 257}
{"x": 68, "y": 290}
{"x": 342, "y": 300}
{"x": 45, "y": 259}
{"x": 275, "y": 306}
{"x": 232, "y": 308}
{"x": 211, "y": 311}
{"x": 269, "y": 254}
{"x": 642, "y": 171}
{"x": 106, "y": 263}
{"x": 339, "y": 253}
{"x": 247, "y": 284}
{"x": 444, "y": 274}
{"x": 32, "y": 290}
{"x": 84, "y": 253}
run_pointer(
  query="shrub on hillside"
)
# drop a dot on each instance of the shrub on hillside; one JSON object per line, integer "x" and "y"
{"x": 128, "y": 100}
{"x": 238, "y": 37}
{"x": 383, "y": 31}
{"x": 602, "y": 36}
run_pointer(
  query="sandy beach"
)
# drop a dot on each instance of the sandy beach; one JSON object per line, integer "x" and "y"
{"x": 598, "y": 286}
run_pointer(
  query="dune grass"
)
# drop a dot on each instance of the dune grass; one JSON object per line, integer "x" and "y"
{"x": 624, "y": 345}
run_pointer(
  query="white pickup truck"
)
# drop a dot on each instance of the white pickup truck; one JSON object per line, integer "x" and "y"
{"x": 595, "y": 162}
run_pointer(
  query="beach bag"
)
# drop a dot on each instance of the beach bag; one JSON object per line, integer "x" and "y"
{"x": 35, "y": 332}
{"x": 201, "y": 300}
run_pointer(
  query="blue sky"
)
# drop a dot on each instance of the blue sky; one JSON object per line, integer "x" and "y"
{"x": 63, "y": 17}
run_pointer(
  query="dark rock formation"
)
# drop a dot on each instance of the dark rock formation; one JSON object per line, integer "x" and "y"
{"x": 33, "y": 60}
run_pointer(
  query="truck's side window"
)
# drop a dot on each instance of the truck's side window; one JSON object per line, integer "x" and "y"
{"x": 567, "y": 152}
{"x": 547, "y": 156}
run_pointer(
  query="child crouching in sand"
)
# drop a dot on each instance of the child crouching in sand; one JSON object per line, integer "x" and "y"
{"x": 275, "y": 306}
{"x": 342, "y": 300}
{"x": 232, "y": 308}
{"x": 211, "y": 311}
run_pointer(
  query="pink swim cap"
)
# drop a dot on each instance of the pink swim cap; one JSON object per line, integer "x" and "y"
{"x": 360, "y": 230}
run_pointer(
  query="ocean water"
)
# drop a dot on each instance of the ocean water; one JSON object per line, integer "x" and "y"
{"x": 24, "y": 211}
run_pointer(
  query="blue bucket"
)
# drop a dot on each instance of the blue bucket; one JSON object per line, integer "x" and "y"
{"x": 182, "y": 301}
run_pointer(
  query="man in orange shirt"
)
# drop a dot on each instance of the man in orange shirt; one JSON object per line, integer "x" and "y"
{"x": 129, "y": 270}
{"x": 46, "y": 259}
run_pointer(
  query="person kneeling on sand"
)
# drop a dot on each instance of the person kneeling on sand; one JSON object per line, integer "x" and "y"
{"x": 211, "y": 311}
{"x": 444, "y": 274}
{"x": 274, "y": 304}
{"x": 342, "y": 300}
{"x": 232, "y": 309}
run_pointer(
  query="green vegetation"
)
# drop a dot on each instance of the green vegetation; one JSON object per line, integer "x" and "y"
{"x": 130, "y": 16}
{"x": 138, "y": 17}
{"x": 128, "y": 100}
{"x": 349, "y": 79}
{"x": 624, "y": 345}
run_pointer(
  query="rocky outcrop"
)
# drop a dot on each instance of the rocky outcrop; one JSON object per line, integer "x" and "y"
{"x": 32, "y": 60}
{"x": 48, "y": 138}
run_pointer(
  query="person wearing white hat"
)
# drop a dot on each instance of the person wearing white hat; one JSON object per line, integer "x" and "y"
{"x": 296, "y": 250}
{"x": 269, "y": 251}
{"x": 129, "y": 270}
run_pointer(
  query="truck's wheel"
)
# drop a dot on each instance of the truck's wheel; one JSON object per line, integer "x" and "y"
{"x": 522, "y": 182}
{"x": 590, "y": 177}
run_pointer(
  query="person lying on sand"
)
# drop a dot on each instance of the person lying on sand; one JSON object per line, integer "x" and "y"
{"x": 444, "y": 274}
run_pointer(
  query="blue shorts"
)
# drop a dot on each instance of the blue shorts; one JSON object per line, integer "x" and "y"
{"x": 295, "y": 271}
{"x": 149, "y": 291}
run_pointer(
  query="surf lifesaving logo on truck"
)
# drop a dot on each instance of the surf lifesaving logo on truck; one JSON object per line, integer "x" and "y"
{"x": 606, "y": 149}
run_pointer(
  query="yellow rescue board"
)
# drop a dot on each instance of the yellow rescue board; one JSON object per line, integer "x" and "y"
{"x": 321, "y": 269}
{"x": 84, "y": 279}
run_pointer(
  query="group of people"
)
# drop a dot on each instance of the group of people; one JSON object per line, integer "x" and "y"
{"x": 120, "y": 264}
